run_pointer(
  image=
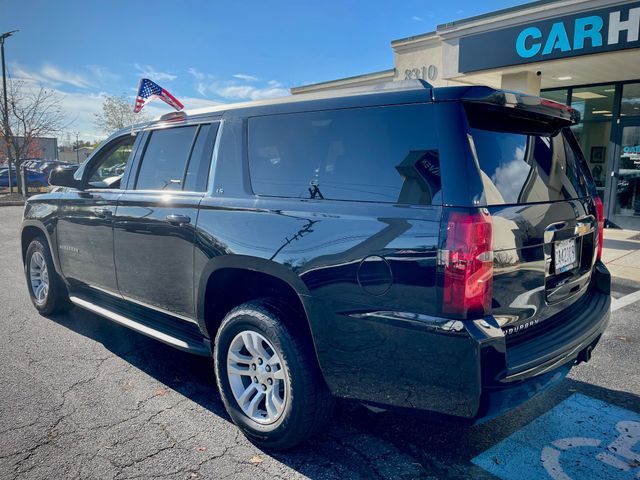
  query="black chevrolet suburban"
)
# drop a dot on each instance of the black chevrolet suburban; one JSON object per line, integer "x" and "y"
{"x": 401, "y": 245}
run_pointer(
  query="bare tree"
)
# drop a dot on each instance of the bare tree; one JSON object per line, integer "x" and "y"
{"x": 117, "y": 113}
{"x": 33, "y": 113}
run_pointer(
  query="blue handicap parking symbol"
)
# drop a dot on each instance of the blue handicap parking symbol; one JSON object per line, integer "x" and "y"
{"x": 581, "y": 438}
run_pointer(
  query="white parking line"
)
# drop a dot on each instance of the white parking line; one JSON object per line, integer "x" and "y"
{"x": 617, "y": 303}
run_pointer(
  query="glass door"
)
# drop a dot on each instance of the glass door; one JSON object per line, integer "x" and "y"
{"x": 596, "y": 106}
{"x": 626, "y": 184}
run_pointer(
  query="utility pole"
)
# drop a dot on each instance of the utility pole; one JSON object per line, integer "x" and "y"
{"x": 3, "y": 37}
{"x": 77, "y": 149}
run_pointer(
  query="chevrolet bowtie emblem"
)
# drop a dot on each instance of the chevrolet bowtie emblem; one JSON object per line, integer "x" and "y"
{"x": 582, "y": 229}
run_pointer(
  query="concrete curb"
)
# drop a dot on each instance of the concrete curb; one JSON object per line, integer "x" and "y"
{"x": 11, "y": 203}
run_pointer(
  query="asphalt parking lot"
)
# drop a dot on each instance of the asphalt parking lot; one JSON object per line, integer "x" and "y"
{"x": 81, "y": 397}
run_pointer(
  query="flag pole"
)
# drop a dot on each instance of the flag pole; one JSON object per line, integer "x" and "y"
{"x": 135, "y": 101}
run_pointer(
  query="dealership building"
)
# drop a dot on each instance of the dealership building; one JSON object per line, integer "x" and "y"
{"x": 583, "y": 53}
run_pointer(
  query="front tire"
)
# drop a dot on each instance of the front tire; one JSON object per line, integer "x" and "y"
{"x": 46, "y": 289}
{"x": 268, "y": 378}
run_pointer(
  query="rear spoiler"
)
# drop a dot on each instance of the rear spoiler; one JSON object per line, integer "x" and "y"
{"x": 515, "y": 111}
{"x": 524, "y": 102}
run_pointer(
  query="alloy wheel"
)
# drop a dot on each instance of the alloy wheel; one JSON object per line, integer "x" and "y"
{"x": 39, "y": 276}
{"x": 257, "y": 378}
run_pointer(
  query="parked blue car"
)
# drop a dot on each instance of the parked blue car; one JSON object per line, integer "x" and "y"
{"x": 34, "y": 179}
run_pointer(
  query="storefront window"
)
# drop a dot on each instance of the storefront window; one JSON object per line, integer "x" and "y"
{"x": 595, "y": 105}
{"x": 630, "y": 100}
{"x": 628, "y": 187}
{"x": 559, "y": 96}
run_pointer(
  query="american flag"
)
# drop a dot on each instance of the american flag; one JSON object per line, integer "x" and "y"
{"x": 150, "y": 90}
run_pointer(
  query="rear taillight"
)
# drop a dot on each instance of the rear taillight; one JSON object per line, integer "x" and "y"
{"x": 467, "y": 262}
{"x": 600, "y": 217}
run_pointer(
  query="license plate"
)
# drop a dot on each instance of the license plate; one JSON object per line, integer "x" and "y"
{"x": 565, "y": 255}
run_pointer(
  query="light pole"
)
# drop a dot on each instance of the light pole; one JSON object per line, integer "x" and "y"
{"x": 3, "y": 37}
{"x": 77, "y": 150}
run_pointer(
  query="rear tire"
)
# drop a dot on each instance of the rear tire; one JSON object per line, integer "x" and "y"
{"x": 46, "y": 289}
{"x": 285, "y": 398}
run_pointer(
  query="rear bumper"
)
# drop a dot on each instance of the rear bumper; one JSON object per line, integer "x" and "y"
{"x": 462, "y": 368}
{"x": 534, "y": 365}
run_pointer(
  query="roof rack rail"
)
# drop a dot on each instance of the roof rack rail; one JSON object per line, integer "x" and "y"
{"x": 401, "y": 85}
{"x": 420, "y": 87}
{"x": 384, "y": 87}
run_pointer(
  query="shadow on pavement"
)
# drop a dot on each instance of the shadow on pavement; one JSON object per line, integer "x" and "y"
{"x": 620, "y": 244}
{"x": 358, "y": 442}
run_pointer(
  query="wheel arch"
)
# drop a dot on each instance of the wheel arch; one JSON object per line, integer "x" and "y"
{"x": 32, "y": 229}
{"x": 218, "y": 291}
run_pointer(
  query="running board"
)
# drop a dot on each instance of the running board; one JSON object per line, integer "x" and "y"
{"x": 187, "y": 345}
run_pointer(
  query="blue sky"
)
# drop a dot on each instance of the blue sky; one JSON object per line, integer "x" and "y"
{"x": 207, "y": 51}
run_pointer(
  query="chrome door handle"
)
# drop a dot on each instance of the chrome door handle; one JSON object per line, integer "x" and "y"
{"x": 102, "y": 212}
{"x": 179, "y": 220}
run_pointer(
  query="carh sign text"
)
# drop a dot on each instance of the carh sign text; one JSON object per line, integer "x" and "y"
{"x": 603, "y": 30}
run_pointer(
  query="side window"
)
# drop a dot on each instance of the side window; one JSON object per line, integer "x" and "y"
{"x": 177, "y": 158}
{"x": 165, "y": 159}
{"x": 375, "y": 154}
{"x": 197, "y": 174}
{"x": 108, "y": 169}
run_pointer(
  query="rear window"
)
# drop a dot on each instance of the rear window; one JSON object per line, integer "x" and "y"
{"x": 520, "y": 168}
{"x": 377, "y": 154}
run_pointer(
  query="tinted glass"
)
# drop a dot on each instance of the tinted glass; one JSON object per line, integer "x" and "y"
{"x": 165, "y": 159}
{"x": 630, "y": 99}
{"x": 595, "y": 105}
{"x": 628, "y": 187}
{"x": 110, "y": 167}
{"x": 560, "y": 96}
{"x": 381, "y": 154}
{"x": 198, "y": 170}
{"x": 518, "y": 168}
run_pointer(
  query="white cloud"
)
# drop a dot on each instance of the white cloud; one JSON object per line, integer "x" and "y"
{"x": 20, "y": 73}
{"x": 416, "y": 18}
{"x": 102, "y": 74}
{"x": 201, "y": 88}
{"x": 231, "y": 90}
{"x": 58, "y": 76}
{"x": 248, "y": 92}
{"x": 248, "y": 78}
{"x": 151, "y": 73}
{"x": 508, "y": 177}
{"x": 49, "y": 75}
{"x": 80, "y": 110}
{"x": 197, "y": 74}
{"x": 202, "y": 80}
{"x": 207, "y": 84}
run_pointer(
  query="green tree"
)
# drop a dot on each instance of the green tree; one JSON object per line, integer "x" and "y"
{"x": 117, "y": 113}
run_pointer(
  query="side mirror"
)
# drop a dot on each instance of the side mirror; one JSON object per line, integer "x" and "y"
{"x": 62, "y": 176}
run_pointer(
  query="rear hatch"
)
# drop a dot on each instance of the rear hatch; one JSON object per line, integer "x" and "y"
{"x": 537, "y": 192}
